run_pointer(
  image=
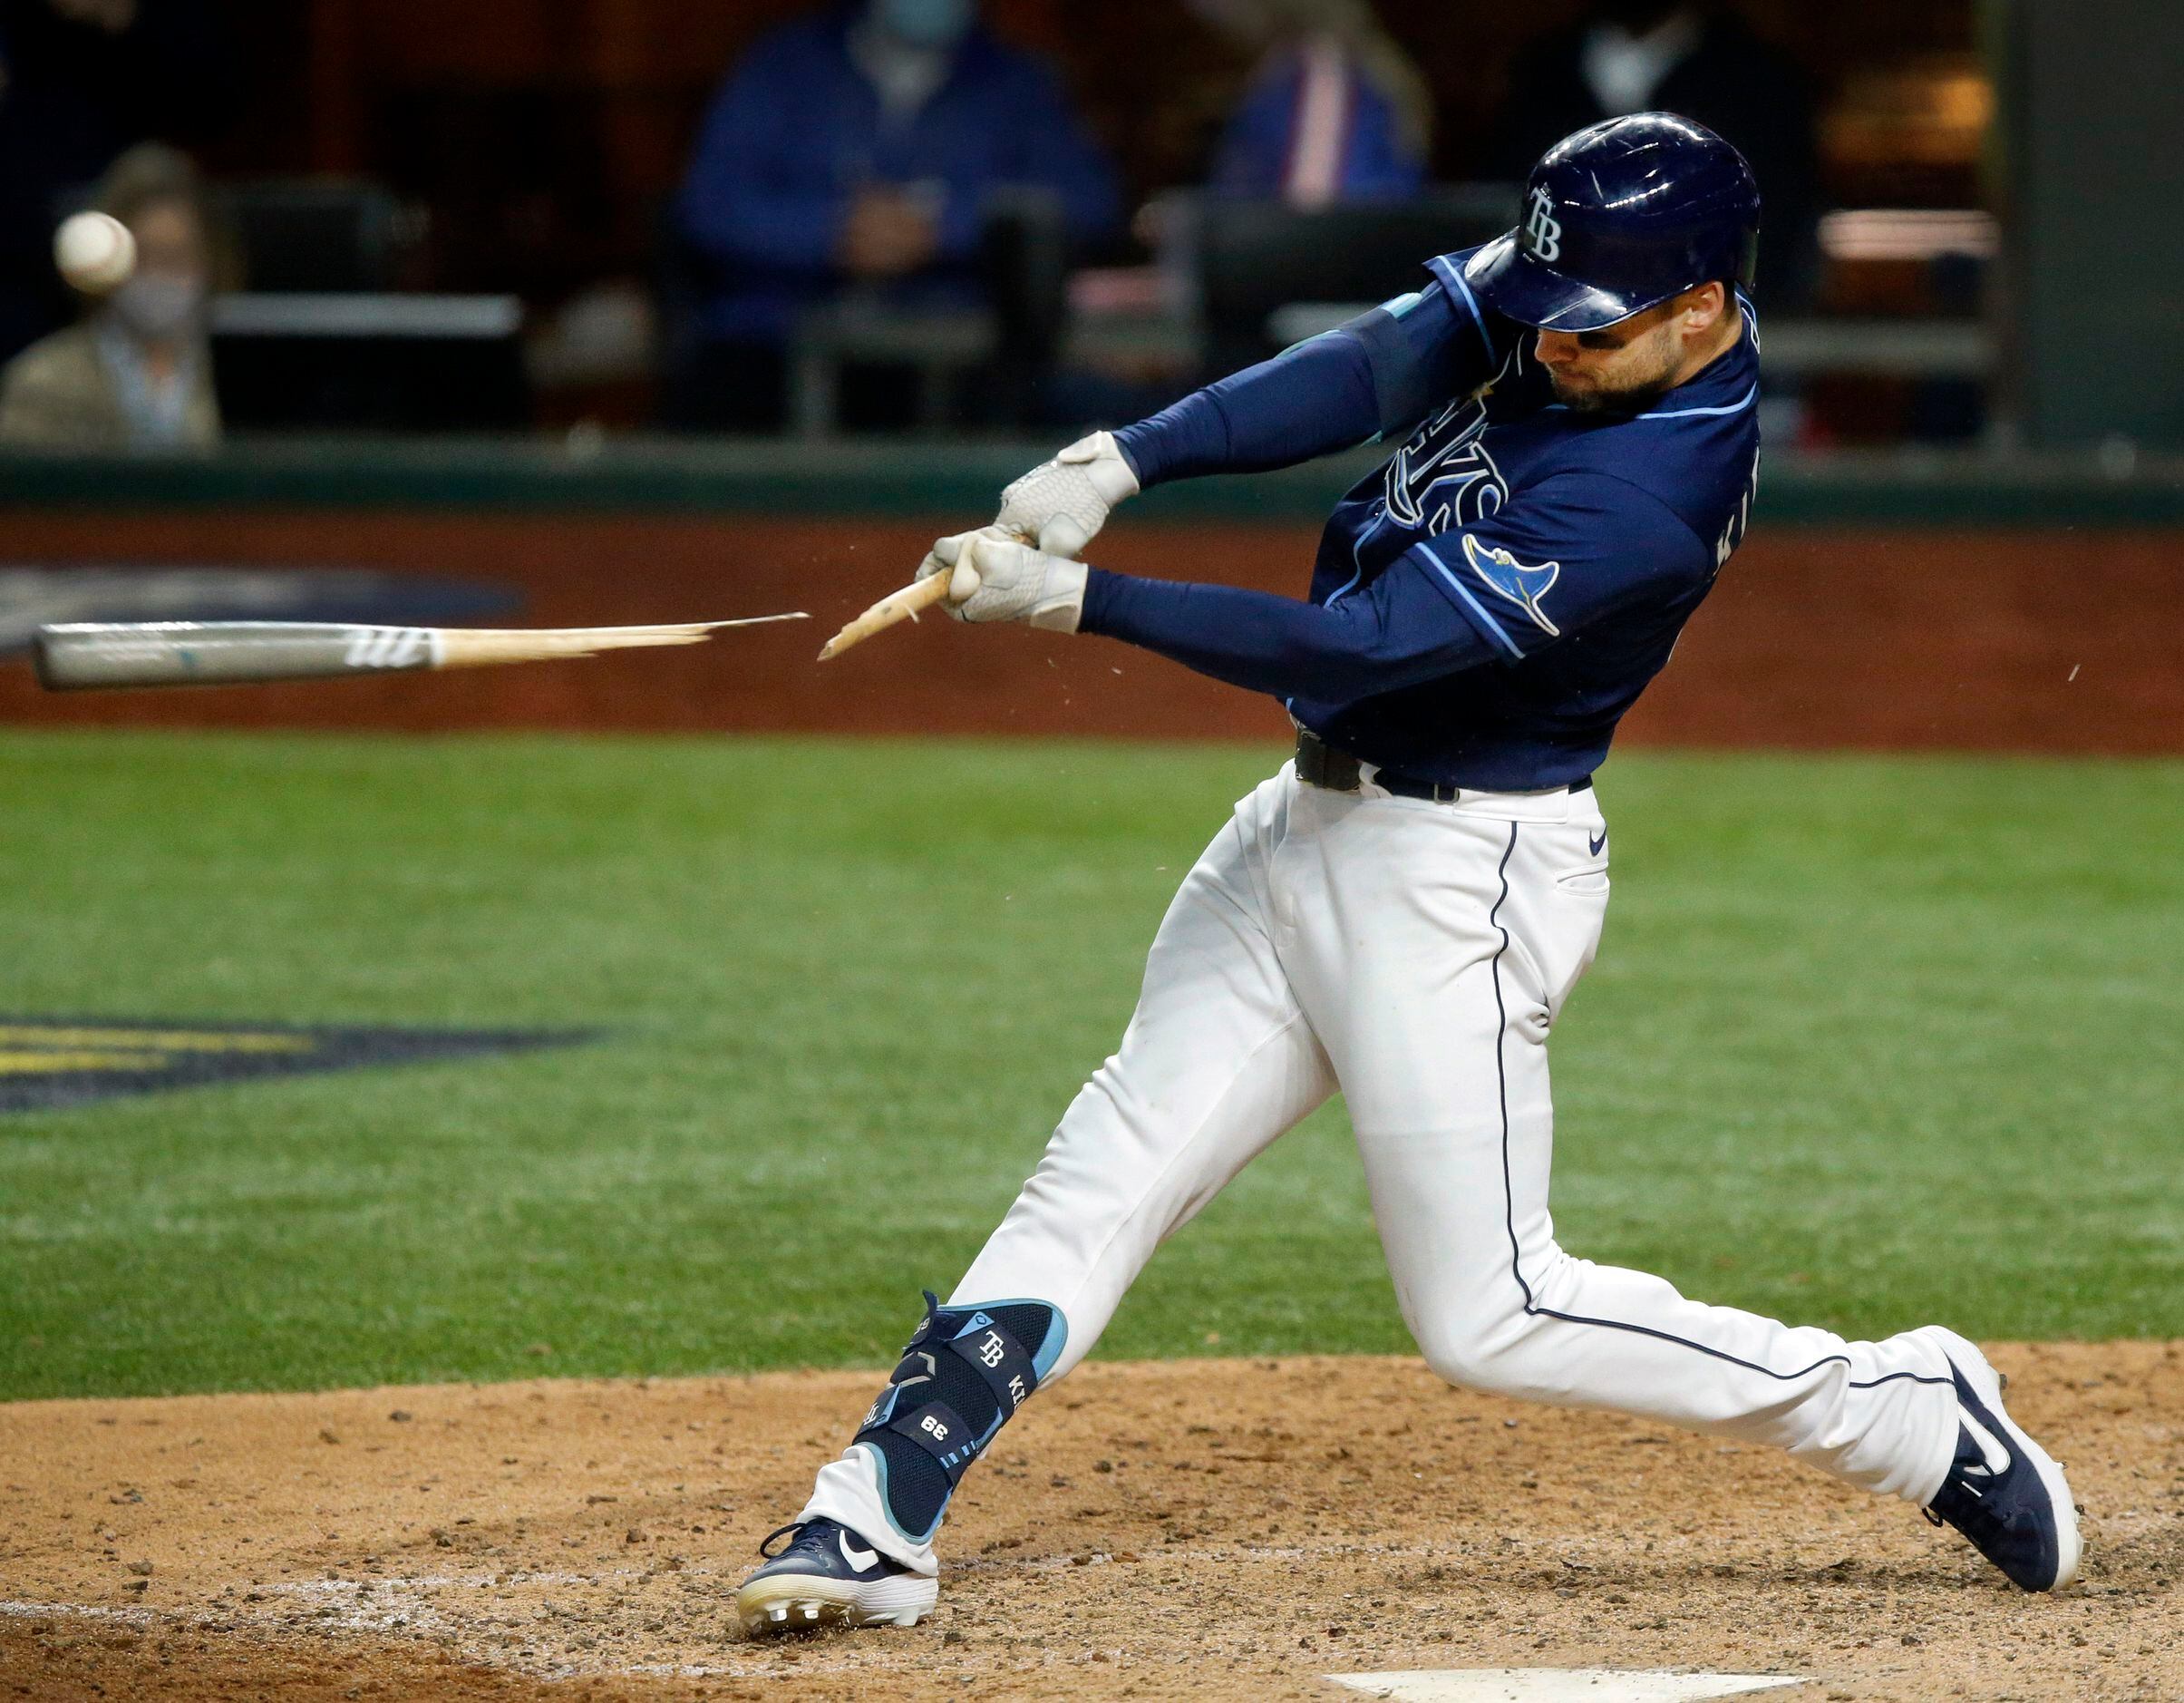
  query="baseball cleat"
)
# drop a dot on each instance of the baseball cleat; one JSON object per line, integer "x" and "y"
{"x": 828, "y": 1576}
{"x": 2003, "y": 1492}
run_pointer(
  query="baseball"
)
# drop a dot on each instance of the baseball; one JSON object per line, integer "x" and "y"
{"x": 94, "y": 252}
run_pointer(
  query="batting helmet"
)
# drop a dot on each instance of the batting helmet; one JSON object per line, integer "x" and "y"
{"x": 1619, "y": 217}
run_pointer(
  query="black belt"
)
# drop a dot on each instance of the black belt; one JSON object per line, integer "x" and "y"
{"x": 1319, "y": 763}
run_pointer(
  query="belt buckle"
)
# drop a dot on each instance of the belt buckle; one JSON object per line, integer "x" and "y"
{"x": 1320, "y": 764}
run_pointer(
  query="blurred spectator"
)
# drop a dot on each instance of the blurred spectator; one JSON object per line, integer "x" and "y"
{"x": 1678, "y": 57}
{"x": 862, "y": 147}
{"x": 1334, "y": 111}
{"x": 80, "y": 80}
{"x": 137, "y": 372}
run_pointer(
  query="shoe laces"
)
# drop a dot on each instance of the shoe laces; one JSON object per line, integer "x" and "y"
{"x": 1968, "y": 1512}
{"x": 790, "y": 1532}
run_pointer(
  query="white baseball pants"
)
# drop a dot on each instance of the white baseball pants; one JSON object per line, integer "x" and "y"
{"x": 1415, "y": 956}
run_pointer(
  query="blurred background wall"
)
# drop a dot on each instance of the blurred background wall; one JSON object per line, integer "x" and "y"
{"x": 544, "y": 134}
{"x": 2091, "y": 152}
{"x": 535, "y": 144}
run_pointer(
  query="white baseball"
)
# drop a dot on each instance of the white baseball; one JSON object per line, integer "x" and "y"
{"x": 95, "y": 252}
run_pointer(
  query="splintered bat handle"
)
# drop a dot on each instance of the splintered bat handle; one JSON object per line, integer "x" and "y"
{"x": 897, "y": 605}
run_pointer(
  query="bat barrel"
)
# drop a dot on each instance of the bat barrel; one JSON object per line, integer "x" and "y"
{"x": 88, "y": 656}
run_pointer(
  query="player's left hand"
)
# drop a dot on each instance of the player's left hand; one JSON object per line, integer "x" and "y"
{"x": 997, "y": 579}
{"x": 1057, "y": 508}
{"x": 1061, "y": 504}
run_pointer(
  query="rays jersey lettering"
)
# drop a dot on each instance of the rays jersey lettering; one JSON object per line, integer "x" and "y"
{"x": 1444, "y": 477}
{"x": 1732, "y": 534}
{"x": 1553, "y": 552}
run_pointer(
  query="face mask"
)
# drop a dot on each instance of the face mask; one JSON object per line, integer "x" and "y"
{"x": 159, "y": 306}
{"x": 927, "y": 23}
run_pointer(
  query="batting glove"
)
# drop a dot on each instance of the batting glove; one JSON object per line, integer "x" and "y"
{"x": 997, "y": 579}
{"x": 948, "y": 551}
{"x": 1060, "y": 505}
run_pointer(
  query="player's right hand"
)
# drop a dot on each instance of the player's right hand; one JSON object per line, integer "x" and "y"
{"x": 1060, "y": 505}
{"x": 949, "y": 552}
{"x": 993, "y": 577}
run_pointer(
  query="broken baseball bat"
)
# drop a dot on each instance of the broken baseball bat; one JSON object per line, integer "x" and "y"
{"x": 92, "y": 656}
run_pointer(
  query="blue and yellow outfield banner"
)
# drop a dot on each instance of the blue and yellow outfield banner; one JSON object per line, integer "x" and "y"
{"x": 48, "y": 1062}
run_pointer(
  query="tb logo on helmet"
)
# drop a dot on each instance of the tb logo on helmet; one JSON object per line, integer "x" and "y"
{"x": 1542, "y": 229}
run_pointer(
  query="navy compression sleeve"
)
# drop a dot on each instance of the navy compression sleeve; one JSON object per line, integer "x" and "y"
{"x": 1394, "y": 633}
{"x": 1376, "y": 375}
{"x": 1307, "y": 401}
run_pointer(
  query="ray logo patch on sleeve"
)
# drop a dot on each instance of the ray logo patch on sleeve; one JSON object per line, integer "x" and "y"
{"x": 1517, "y": 582}
{"x": 49, "y": 1063}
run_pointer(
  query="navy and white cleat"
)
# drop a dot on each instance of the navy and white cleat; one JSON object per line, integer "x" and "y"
{"x": 2003, "y": 1491}
{"x": 829, "y": 1576}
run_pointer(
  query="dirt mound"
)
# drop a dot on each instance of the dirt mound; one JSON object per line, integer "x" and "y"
{"x": 1208, "y": 1528}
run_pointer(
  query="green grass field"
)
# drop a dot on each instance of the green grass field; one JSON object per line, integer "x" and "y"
{"x": 1869, "y": 1042}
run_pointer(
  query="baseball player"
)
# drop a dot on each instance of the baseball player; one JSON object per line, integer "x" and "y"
{"x": 1402, "y": 911}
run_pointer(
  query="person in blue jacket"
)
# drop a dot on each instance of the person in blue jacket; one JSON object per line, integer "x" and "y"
{"x": 861, "y": 147}
{"x": 1334, "y": 110}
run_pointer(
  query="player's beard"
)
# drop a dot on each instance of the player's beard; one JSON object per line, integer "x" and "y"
{"x": 1634, "y": 392}
{"x": 1626, "y": 399}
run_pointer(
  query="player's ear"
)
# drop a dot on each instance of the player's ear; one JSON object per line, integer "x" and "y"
{"x": 1704, "y": 305}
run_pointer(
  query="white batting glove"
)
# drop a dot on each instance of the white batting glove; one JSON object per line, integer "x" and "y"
{"x": 1060, "y": 505}
{"x": 997, "y": 579}
{"x": 948, "y": 551}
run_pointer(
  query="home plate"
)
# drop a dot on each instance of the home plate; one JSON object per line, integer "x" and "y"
{"x": 1557, "y": 1685}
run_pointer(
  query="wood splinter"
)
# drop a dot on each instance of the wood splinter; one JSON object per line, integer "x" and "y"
{"x": 897, "y": 605}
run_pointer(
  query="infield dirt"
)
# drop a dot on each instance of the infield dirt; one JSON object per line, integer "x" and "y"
{"x": 1213, "y": 1528}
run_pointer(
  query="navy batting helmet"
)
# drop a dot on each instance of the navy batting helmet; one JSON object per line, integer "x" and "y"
{"x": 1619, "y": 217}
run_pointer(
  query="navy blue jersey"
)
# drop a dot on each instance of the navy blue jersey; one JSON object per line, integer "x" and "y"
{"x": 1487, "y": 605}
